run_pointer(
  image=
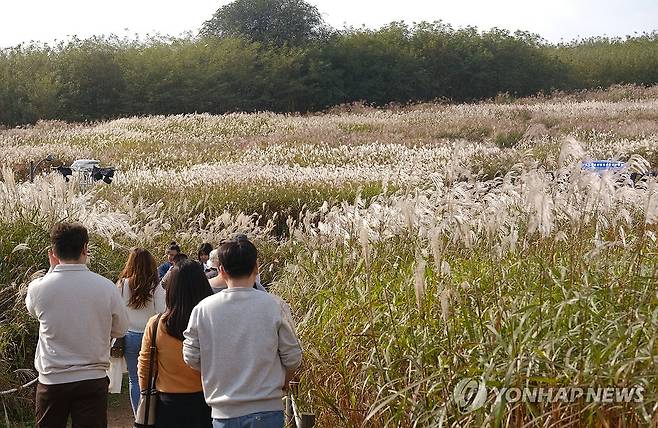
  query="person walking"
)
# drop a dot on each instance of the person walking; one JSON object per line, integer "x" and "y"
{"x": 212, "y": 265}
{"x": 216, "y": 281}
{"x": 78, "y": 312}
{"x": 203, "y": 254}
{"x": 144, "y": 297}
{"x": 244, "y": 343}
{"x": 172, "y": 251}
{"x": 180, "y": 400}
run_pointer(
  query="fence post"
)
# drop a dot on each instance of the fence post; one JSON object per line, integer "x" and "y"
{"x": 31, "y": 171}
{"x": 295, "y": 418}
{"x": 289, "y": 416}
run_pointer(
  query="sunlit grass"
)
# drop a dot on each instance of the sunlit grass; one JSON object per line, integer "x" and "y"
{"x": 417, "y": 246}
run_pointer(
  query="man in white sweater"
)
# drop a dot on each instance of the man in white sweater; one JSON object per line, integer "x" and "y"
{"x": 78, "y": 312}
{"x": 244, "y": 343}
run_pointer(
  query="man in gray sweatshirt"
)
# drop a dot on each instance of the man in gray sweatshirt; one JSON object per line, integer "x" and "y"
{"x": 243, "y": 342}
{"x": 78, "y": 312}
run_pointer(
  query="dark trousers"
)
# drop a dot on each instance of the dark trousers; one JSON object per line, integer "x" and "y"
{"x": 182, "y": 410}
{"x": 85, "y": 401}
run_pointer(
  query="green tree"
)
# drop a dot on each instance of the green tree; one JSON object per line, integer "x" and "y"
{"x": 376, "y": 66}
{"x": 90, "y": 80}
{"x": 27, "y": 84}
{"x": 294, "y": 22}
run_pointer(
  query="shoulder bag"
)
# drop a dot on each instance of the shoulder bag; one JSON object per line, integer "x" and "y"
{"x": 145, "y": 415}
{"x": 118, "y": 347}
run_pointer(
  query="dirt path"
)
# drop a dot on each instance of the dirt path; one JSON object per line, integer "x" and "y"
{"x": 119, "y": 412}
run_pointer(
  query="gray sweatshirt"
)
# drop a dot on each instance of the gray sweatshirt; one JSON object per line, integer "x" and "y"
{"x": 242, "y": 341}
{"x": 78, "y": 312}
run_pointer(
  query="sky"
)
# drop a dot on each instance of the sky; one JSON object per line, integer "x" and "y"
{"x": 555, "y": 20}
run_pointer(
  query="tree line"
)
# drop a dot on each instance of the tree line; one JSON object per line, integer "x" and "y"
{"x": 225, "y": 69}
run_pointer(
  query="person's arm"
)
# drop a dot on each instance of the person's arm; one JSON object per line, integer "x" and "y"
{"x": 30, "y": 299}
{"x": 159, "y": 299}
{"x": 165, "y": 276}
{"x": 145, "y": 355}
{"x": 191, "y": 346}
{"x": 217, "y": 282}
{"x": 162, "y": 270}
{"x": 290, "y": 350}
{"x": 120, "y": 321}
{"x": 258, "y": 285}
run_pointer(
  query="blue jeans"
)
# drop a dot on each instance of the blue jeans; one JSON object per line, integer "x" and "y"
{"x": 133, "y": 345}
{"x": 253, "y": 420}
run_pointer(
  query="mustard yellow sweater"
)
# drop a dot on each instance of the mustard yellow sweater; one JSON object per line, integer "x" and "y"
{"x": 174, "y": 376}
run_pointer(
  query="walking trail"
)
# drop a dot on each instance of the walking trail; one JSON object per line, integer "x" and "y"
{"x": 119, "y": 412}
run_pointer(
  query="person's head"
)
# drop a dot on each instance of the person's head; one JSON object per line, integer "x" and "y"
{"x": 204, "y": 252}
{"x": 213, "y": 259}
{"x": 187, "y": 285}
{"x": 238, "y": 260}
{"x": 172, "y": 251}
{"x": 179, "y": 258}
{"x": 70, "y": 242}
{"x": 141, "y": 272}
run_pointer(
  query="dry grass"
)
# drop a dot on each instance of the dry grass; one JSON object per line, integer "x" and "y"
{"x": 417, "y": 245}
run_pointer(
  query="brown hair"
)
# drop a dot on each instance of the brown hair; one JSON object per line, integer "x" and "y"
{"x": 141, "y": 271}
{"x": 68, "y": 240}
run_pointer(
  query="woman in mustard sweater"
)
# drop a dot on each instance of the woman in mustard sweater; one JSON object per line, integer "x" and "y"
{"x": 180, "y": 402}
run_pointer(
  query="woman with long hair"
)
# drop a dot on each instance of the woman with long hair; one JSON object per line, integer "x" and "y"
{"x": 138, "y": 283}
{"x": 180, "y": 400}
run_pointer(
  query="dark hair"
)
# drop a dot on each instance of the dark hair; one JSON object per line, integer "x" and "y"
{"x": 187, "y": 285}
{"x": 205, "y": 248}
{"x": 238, "y": 257}
{"x": 68, "y": 240}
{"x": 179, "y": 258}
{"x": 141, "y": 271}
{"x": 173, "y": 246}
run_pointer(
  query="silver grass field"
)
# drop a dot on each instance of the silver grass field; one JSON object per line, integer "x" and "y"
{"x": 417, "y": 245}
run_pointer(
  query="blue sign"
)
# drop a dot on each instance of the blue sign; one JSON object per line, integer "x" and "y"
{"x": 602, "y": 165}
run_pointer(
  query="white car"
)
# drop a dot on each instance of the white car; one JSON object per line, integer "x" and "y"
{"x": 85, "y": 164}
{"x": 88, "y": 171}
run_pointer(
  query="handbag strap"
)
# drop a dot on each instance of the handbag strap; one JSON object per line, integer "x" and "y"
{"x": 152, "y": 376}
{"x": 154, "y": 349}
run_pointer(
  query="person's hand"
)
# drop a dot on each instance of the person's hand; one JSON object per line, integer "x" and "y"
{"x": 290, "y": 375}
{"x": 52, "y": 258}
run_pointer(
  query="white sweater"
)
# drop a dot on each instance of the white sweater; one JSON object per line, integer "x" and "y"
{"x": 139, "y": 317}
{"x": 78, "y": 312}
{"x": 242, "y": 340}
